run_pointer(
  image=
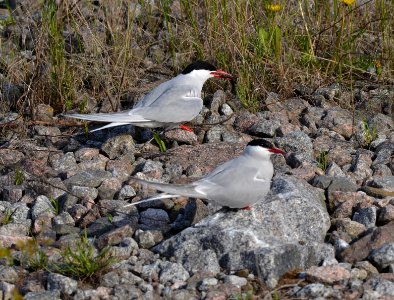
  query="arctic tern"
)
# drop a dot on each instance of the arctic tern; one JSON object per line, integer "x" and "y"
{"x": 171, "y": 103}
{"x": 237, "y": 183}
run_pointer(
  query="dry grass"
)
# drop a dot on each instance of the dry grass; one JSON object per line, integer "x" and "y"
{"x": 68, "y": 54}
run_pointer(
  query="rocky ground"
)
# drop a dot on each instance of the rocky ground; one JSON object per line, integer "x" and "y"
{"x": 324, "y": 230}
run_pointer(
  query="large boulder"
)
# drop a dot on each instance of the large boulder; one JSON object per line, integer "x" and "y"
{"x": 285, "y": 231}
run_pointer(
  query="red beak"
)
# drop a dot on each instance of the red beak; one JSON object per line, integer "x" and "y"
{"x": 221, "y": 74}
{"x": 277, "y": 151}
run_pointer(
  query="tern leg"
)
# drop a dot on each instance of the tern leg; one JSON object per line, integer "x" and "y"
{"x": 248, "y": 208}
{"x": 184, "y": 127}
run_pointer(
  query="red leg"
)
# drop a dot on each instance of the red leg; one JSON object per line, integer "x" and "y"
{"x": 184, "y": 127}
{"x": 248, "y": 208}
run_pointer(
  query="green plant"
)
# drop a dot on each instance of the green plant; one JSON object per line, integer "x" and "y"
{"x": 7, "y": 217}
{"x": 322, "y": 160}
{"x": 369, "y": 134}
{"x": 160, "y": 142}
{"x": 55, "y": 204}
{"x": 32, "y": 256}
{"x": 81, "y": 261}
{"x": 19, "y": 177}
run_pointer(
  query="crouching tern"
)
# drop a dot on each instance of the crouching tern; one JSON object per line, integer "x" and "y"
{"x": 168, "y": 105}
{"x": 237, "y": 183}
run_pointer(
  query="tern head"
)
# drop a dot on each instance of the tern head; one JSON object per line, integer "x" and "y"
{"x": 263, "y": 147}
{"x": 205, "y": 70}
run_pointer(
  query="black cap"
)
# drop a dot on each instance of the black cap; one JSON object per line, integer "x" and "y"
{"x": 199, "y": 65}
{"x": 262, "y": 143}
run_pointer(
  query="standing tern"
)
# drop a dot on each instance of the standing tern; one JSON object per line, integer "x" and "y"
{"x": 237, "y": 183}
{"x": 171, "y": 103}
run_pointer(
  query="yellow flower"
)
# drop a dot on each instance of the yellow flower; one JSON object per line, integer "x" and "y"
{"x": 348, "y": 2}
{"x": 274, "y": 7}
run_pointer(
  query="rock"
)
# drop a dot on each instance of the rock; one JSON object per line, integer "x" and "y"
{"x": 340, "y": 121}
{"x": 382, "y": 286}
{"x": 42, "y": 205}
{"x": 64, "y": 163}
{"x": 57, "y": 282}
{"x": 91, "y": 178}
{"x": 117, "y": 277}
{"x": 118, "y": 146}
{"x": 265, "y": 128}
{"x": 126, "y": 192}
{"x": 12, "y": 193}
{"x": 115, "y": 236}
{"x": 45, "y": 295}
{"x": 226, "y": 110}
{"x": 360, "y": 249}
{"x": 83, "y": 192}
{"x": 10, "y": 157}
{"x": 206, "y": 283}
{"x": 7, "y": 290}
{"x": 386, "y": 184}
{"x": 126, "y": 291}
{"x": 153, "y": 217}
{"x": 86, "y": 154}
{"x": 366, "y": 216}
{"x": 149, "y": 238}
{"x": 181, "y": 136}
{"x": 64, "y": 223}
{"x": 296, "y": 141}
{"x": 97, "y": 163}
{"x": 108, "y": 188}
{"x": 339, "y": 184}
{"x": 172, "y": 272}
{"x": 328, "y": 274}
{"x": 367, "y": 266}
{"x": 315, "y": 291}
{"x": 235, "y": 280}
{"x": 386, "y": 214}
{"x": 120, "y": 169}
{"x": 8, "y": 274}
{"x": 292, "y": 201}
{"x": 352, "y": 228}
{"x": 383, "y": 256}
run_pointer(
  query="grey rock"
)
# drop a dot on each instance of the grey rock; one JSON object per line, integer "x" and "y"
{"x": 384, "y": 183}
{"x": 296, "y": 141}
{"x": 127, "y": 291}
{"x": 12, "y": 193}
{"x": 383, "y": 256}
{"x": 315, "y": 291}
{"x": 292, "y": 201}
{"x": 362, "y": 163}
{"x": 366, "y": 216}
{"x": 205, "y": 261}
{"x": 322, "y": 182}
{"x": 153, "y": 217}
{"x": 64, "y": 163}
{"x": 64, "y": 223}
{"x": 235, "y": 280}
{"x": 20, "y": 212}
{"x": 86, "y": 154}
{"x": 153, "y": 169}
{"x": 382, "y": 286}
{"x": 172, "y": 272}
{"x": 340, "y": 184}
{"x": 7, "y": 290}
{"x": 265, "y": 128}
{"x": 206, "y": 283}
{"x": 61, "y": 283}
{"x": 214, "y": 134}
{"x": 218, "y": 99}
{"x": 8, "y": 274}
{"x": 42, "y": 205}
{"x": 97, "y": 163}
{"x": 91, "y": 178}
{"x": 118, "y": 146}
{"x": 151, "y": 271}
{"x": 381, "y": 170}
{"x": 117, "y": 277}
{"x": 10, "y": 157}
{"x": 383, "y": 153}
{"x": 339, "y": 120}
{"x": 226, "y": 110}
{"x": 174, "y": 170}
{"x": 120, "y": 169}
{"x": 84, "y": 192}
{"x": 108, "y": 188}
{"x": 126, "y": 192}
{"x": 148, "y": 238}
{"x": 45, "y": 295}
{"x": 334, "y": 170}
{"x": 124, "y": 248}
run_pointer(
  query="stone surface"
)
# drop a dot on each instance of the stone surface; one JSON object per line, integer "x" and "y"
{"x": 292, "y": 201}
{"x": 383, "y": 256}
{"x": 327, "y": 274}
{"x": 57, "y": 282}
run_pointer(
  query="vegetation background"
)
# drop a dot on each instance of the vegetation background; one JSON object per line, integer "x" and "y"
{"x": 70, "y": 53}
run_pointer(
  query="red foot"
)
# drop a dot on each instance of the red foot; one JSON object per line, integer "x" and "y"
{"x": 248, "y": 208}
{"x": 184, "y": 127}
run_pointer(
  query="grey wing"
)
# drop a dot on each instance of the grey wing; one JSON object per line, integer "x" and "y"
{"x": 153, "y": 95}
{"x": 175, "y": 105}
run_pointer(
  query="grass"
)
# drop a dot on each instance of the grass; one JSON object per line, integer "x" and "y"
{"x": 6, "y": 217}
{"x": 81, "y": 261}
{"x": 369, "y": 134}
{"x": 322, "y": 160}
{"x": 84, "y": 50}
